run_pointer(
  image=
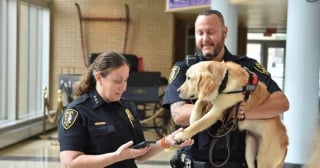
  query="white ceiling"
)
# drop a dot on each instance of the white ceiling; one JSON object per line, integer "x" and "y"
{"x": 261, "y": 14}
{"x": 256, "y": 15}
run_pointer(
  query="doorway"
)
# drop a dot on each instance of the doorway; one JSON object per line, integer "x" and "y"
{"x": 184, "y": 39}
{"x": 271, "y": 54}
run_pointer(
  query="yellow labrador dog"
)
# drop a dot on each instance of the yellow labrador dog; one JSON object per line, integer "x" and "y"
{"x": 266, "y": 140}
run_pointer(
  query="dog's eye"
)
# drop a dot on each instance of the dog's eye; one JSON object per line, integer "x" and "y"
{"x": 188, "y": 78}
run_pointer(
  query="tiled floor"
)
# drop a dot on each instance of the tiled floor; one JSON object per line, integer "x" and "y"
{"x": 43, "y": 152}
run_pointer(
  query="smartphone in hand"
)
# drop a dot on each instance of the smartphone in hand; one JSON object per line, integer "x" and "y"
{"x": 142, "y": 144}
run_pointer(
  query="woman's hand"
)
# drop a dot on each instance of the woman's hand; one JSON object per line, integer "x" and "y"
{"x": 172, "y": 143}
{"x": 126, "y": 152}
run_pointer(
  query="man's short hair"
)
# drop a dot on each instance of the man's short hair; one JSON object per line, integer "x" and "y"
{"x": 215, "y": 12}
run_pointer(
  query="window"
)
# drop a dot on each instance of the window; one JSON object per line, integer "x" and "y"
{"x": 25, "y": 61}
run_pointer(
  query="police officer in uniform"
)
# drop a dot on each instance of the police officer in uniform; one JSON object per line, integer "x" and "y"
{"x": 210, "y": 33}
{"x": 99, "y": 129}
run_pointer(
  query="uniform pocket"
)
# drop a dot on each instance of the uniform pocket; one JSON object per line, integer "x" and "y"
{"x": 103, "y": 138}
{"x": 101, "y": 130}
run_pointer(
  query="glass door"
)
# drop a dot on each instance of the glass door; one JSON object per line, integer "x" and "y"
{"x": 275, "y": 55}
{"x": 271, "y": 54}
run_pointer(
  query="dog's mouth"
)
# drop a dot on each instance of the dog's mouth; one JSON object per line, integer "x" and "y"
{"x": 186, "y": 93}
{"x": 192, "y": 96}
{"x": 183, "y": 96}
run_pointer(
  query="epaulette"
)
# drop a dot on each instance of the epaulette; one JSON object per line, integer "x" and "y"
{"x": 182, "y": 64}
{"x": 241, "y": 57}
{"x": 253, "y": 65}
{"x": 79, "y": 100}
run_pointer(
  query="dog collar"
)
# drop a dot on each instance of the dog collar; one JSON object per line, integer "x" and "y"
{"x": 247, "y": 89}
{"x": 224, "y": 81}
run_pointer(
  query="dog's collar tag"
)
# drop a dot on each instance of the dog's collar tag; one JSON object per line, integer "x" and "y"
{"x": 252, "y": 84}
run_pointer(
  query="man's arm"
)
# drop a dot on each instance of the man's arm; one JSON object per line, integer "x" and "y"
{"x": 275, "y": 105}
{"x": 180, "y": 112}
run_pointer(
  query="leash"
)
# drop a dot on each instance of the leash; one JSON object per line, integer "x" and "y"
{"x": 228, "y": 124}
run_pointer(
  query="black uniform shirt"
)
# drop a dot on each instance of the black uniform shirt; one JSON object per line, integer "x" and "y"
{"x": 202, "y": 140}
{"x": 93, "y": 126}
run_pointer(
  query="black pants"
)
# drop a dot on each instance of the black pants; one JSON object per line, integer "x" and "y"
{"x": 188, "y": 163}
{"x": 198, "y": 164}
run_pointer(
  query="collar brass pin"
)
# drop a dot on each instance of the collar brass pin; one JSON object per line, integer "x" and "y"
{"x": 130, "y": 117}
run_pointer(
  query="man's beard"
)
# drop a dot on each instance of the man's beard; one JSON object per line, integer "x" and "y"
{"x": 214, "y": 53}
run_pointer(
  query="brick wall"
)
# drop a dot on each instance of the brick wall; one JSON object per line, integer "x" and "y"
{"x": 150, "y": 34}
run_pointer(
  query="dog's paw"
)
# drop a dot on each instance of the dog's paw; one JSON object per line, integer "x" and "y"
{"x": 180, "y": 137}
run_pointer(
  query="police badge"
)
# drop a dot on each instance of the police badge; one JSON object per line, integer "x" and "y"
{"x": 69, "y": 117}
{"x": 174, "y": 72}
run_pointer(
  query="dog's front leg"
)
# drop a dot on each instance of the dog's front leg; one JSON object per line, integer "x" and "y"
{"x": 201, "y": 124}
{"x": 197, "y": 111}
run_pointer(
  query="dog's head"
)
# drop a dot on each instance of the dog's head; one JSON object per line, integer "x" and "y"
{"x": 203, "y": 79}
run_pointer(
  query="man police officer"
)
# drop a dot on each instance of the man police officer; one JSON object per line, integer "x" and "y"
{"x": 210, "y": 34}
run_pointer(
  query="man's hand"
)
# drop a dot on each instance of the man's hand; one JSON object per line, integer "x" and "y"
{"x": 241, "y": 111}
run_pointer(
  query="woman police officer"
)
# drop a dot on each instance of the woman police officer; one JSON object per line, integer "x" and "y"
{"x": 98, "y": 129}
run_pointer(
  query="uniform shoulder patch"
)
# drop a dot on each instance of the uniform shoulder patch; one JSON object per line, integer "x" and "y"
{"x": 69, "y": 117}
{"x": 174, "y": 72}
{"x": 260, "y": 68}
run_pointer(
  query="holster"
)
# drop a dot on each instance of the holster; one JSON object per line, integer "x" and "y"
{"x": 188, "y": 163}
{"x": 181, "y": 160}
{"x": 176, "y": 162}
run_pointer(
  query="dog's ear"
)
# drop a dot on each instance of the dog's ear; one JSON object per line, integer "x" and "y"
{"x": 217, "y": 69}
{"x": 211, "y": 79}
{"x": 205, "y": 85}
{"x": 236, "y": 72}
